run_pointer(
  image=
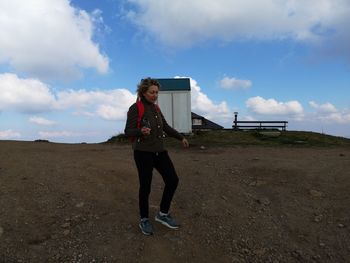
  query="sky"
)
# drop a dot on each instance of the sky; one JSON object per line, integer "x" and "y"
{"x": 69, "y": 69}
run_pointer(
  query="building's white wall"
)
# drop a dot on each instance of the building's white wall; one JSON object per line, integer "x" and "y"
{"x": 176, "y": 107}
{"x": 166, "y": 106}
{"x": 182, "y": 112}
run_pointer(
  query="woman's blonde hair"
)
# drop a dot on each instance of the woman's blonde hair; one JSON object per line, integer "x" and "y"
{"x": 143, "y": 86}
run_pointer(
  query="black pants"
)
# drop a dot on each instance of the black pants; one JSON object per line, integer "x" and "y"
{"x": 145, "y": 162}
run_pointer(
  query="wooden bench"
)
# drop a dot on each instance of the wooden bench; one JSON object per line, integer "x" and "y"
{"x": 259, "y": 125}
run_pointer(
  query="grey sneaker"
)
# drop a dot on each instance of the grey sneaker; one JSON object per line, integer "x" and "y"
{"x": 167, "y": 220}
{"x": 146, "y": 227}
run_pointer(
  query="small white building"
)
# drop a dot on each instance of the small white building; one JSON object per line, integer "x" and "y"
{"x": 174, "y": 100}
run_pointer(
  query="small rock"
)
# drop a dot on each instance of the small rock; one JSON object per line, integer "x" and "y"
{"x": 318, "y": 218}
{"x": 65, "y": 225}
{"x": 342, "y": 154}
{"x": 322, "y": 244}
{"x": 202, "y": 147}
{"x": 264, "y": 201}
{"x": 252, "y": 183}
{"x": 245, "y": 251}
{"x": 257, "y": 183}
{"x": 316, "y": 193}
{"x": 341, "y": 225}
{"x": 235, "y": 260}
{"x": 66, "y": 232}
{"x": 81, "y": 204}
{"x": 259, "y": 252}
{"x": 224, "y": 197}
{"x": 297, "y": 254}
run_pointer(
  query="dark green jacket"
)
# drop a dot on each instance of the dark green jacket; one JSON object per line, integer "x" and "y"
{"x": 159, "y": 126}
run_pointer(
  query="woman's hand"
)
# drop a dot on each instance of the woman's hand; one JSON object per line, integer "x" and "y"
{"x": 185, "y": 143}
{"x": 146, "y": 131}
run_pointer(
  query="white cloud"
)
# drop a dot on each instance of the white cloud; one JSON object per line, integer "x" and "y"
{"x": 328, "y": 113}
{"x": 325, "y": 108}
{"x": 58, "y": 134}
{"x": 201, "y": 104}
{"x": 111, "y": 112}
{"x": 24, "y": 95}
{"x": 233, "y": 83}
{"x": 9, "y": 134}
{"x": 109, "y": 105}
{"x": 33, "y": 96}
{"x": 184, "y": 23}
{"x": 263, "y": 106}
{"x": 336, "y": 117}
{"x": 84, "y": 113}
{"x": 41, "y": 121}
{"x": 49, "y": 39}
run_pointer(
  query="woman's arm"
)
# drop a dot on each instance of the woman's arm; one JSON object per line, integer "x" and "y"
{"x": 131, "y": 123}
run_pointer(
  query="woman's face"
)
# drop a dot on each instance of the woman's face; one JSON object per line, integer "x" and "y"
{"x": 151, "y": 95}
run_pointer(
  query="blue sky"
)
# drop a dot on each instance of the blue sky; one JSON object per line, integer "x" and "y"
{"x": 69, "y": 69}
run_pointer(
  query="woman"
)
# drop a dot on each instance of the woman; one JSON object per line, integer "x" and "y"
{"x": 149, "y": 153}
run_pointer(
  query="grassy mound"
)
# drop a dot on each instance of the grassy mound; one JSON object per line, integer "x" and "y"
{"x": 222, "y": 138}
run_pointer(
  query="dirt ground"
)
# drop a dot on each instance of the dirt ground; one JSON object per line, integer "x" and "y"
{"x": 78, "y": 203}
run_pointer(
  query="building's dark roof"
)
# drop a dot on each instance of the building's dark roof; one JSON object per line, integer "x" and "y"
{"x": 174, "y": 84}
{"x": 206, "y": 124}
